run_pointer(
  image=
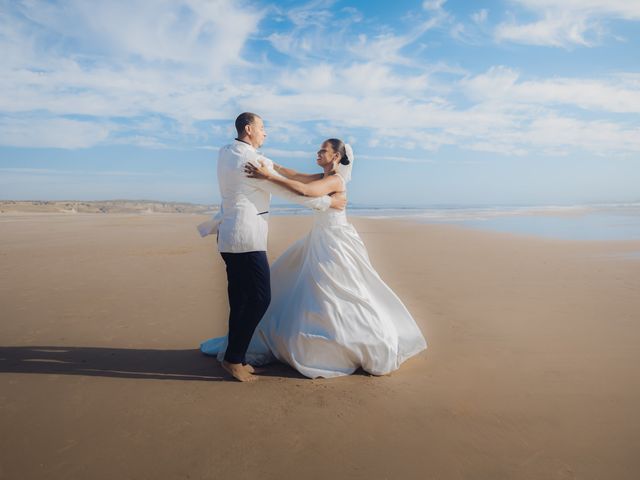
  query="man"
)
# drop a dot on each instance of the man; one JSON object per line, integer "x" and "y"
{"x": 242, "y": 236}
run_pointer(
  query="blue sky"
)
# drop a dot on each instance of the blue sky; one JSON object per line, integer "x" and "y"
{"x": 444, "y": 102}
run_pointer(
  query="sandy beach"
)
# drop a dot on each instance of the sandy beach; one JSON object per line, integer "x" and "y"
{"x": 531, "y": 370}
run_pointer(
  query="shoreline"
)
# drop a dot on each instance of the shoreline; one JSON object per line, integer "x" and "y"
{"x": 582, "y": 227}
{"x": 619, "y": 245}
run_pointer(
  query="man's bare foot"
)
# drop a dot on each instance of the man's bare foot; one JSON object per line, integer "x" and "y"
{"x": 249, "y": 368}
{"x": 238, "y": 371}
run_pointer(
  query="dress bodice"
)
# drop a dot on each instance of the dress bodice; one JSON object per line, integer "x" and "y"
{"x": 331, "y": 216}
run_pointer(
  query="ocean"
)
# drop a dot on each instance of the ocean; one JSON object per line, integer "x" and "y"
{"x": 620, "y": 221}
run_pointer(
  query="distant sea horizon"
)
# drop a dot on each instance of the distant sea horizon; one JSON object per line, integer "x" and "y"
{"x": 587, "y": 221}
{"x": 597, "y": 221}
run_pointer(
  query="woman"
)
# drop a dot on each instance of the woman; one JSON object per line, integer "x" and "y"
{"x": 330, "y": 312}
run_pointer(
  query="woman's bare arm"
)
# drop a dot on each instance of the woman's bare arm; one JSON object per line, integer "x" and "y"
{"x": 291, "y": 174}
{"x": 316, "y": 188}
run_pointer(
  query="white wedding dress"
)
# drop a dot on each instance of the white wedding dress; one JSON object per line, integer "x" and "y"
{"x": 330, "y": 311}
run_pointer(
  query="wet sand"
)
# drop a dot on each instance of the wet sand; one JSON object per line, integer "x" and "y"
{"x": 532, "y": 368}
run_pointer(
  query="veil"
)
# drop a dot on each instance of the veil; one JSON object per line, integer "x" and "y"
{"x": 345, "y": 170}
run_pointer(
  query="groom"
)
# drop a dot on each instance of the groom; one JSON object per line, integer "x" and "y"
{"x": 242, "y": 236}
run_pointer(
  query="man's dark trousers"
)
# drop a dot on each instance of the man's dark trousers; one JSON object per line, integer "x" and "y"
{"x": 249, "y": 288}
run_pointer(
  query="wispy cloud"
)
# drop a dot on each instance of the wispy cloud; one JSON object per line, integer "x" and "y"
{"x": 393, "y": 158}
{"x": 480, "y": 16}
{"x": 118, "y": 59}
{"x": 619, "y": 93}
{"x": 158, "y": 75}
{"x": 51, "y": 132}
{"x": 78, "y": 172}
{"x": 566, "y": 23}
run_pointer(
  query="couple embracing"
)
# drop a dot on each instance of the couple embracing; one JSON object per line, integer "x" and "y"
{"x": 321, "y": 308}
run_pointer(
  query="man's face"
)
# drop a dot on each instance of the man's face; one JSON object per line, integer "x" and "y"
{"x": 257, "y": 133}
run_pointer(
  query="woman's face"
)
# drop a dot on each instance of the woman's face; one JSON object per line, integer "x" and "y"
{"x": 326, "y": 155}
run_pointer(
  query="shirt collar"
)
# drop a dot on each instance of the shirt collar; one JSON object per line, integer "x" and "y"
{"x": 242, "y": 142}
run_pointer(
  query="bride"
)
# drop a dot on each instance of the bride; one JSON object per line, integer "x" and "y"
{"x": 330, "y": 311}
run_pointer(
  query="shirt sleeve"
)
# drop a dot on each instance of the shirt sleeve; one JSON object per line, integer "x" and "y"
{"x": 317, "y": 203}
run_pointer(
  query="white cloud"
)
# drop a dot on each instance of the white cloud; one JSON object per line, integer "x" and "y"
{"x": 627, "y": 9}
{"x": 387, "y": 47}
{"x": 114, "y": 60}
{"x": 66, "y": 173}
{"x": 357, "y": 79}
{"x": 315, "y": 12}
{"x": 319, "y": 33}
{"x": 509, "y": 115}
{"x": 433, "y": 4}
{"x": 206, "y": 34}
{"x": 393, "y": 158}
{"x": 316, "y": 29}
{"x": 553, "y": 31}
{"x": 94, "y": 86}
{"x": 55, "y": 132}
{"x": 600, "y": 137}
{"x": 566, "y": 23}
{"x": 619, "y": 94}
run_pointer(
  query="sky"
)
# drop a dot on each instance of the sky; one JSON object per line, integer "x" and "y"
{"x": 513, "y": 102}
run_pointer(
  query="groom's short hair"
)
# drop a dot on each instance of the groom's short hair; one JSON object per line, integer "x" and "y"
{"x": 244, "y": 119}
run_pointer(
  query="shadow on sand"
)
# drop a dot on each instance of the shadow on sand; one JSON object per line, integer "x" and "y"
{"x": 124, "y": 363}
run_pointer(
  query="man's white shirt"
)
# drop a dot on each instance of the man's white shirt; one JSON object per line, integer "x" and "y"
{"x": 242, "y": 222}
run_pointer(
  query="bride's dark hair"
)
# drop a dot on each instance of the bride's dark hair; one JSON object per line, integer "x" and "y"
{"x": 338, "y": 146}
